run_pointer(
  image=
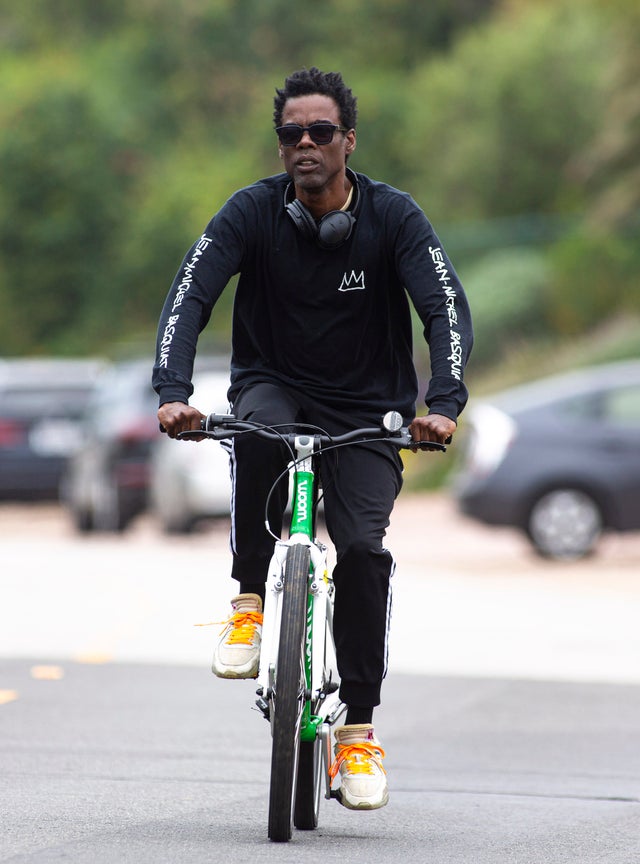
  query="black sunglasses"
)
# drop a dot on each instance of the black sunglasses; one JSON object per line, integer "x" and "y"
{"x": 320, "y": 133}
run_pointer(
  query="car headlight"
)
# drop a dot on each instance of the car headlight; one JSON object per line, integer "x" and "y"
{"x": 492, "y": 432}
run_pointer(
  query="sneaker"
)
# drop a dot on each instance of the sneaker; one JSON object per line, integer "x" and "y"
{"x": 237, "y": 654}
{"x": 363, "y": 782}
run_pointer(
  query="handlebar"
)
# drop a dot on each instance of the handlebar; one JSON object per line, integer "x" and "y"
{"x": 221, "y": 426}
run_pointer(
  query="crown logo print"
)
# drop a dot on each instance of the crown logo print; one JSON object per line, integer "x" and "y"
{"x": 352, "y": 281}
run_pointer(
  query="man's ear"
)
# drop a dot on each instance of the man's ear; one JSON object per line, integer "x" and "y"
{"x": 350, "y": 142}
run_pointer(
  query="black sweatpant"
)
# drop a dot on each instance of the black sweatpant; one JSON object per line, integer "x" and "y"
{"x": 360, "y": 485}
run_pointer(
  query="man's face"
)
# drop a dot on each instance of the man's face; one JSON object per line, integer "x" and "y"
{"x": 315, "y": 167}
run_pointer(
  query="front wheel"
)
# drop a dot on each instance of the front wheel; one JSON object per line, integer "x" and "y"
{"x": 288, "y": 695}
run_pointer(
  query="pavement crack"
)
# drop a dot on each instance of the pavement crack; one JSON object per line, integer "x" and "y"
{"x": 550, "y": 796}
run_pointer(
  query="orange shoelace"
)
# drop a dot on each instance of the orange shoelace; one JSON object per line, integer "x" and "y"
{"x": 244, "y": 627}
{"x": 359, "y": 758}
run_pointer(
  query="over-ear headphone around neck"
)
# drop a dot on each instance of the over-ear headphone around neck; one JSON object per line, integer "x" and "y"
{"x": 334, "y": 228}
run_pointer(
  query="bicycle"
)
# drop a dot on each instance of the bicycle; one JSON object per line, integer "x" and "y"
{"x": 298, "y": 678}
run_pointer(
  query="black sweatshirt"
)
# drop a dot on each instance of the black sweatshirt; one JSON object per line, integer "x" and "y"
{"x": 333, "y": 322}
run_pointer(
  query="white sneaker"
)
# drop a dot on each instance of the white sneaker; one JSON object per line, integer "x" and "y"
{"x": 237, "y": 654}
{"x": 363, "y": 782}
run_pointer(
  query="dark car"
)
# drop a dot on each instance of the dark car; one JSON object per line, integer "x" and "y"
{"x": 107, "y": 482}
{"x": 559, "y": 458}
{"x": 41, "y": 403}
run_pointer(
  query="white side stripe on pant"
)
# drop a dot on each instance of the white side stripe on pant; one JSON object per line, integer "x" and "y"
{"x": 387, "y": 629}
{"x": 228, "y": 445}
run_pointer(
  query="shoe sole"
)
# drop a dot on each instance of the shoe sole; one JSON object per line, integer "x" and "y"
{"x": 248, "y": 670}
{"x": 233, "y": 674}
{"x": 350, "y": 804}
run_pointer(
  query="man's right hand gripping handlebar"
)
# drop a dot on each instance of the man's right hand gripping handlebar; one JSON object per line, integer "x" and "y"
{"x": 176, "y": 417}
{"x": 432, "y": 427}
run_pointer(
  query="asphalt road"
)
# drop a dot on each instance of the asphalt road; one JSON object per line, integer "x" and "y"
{"x": 510, "y": 715}
{"x": 127, "y": 763}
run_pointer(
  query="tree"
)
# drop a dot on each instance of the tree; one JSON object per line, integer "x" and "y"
{"x": 494, "y": 123}
{"x": 57, "y": 225}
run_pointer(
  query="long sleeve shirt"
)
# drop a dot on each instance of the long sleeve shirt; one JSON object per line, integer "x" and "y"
{"x": 336, "y": 322}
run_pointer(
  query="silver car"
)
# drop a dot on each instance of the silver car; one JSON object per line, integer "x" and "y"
{"x": 190, "y": 481}
{"x": 559, "y": 458}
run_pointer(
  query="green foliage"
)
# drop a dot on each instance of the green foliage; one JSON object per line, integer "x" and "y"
{"x": 124, "y": 126}
{"x": 60, "y": 158}
{"x": 506, "y": 291}
{"x": 609, "y": 168}
{"x": 426, "y": 472}
{"x": 495, "y": 122}
{"x": 177, "y": 198}
{"x": 594, "y": 276}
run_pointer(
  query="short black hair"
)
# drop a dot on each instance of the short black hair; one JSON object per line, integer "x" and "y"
{"x": 306, "y": 82}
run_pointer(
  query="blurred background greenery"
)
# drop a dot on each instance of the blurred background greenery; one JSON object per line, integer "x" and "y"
{"x": 516, "y": 125}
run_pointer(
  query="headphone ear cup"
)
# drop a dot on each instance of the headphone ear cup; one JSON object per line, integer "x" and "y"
{"x": 303, "y": 220}
{"x": 334, "y": 228}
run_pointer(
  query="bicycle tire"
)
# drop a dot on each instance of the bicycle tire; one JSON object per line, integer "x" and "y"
{"x": 309, "y": 785}
{"x": 288, "y": 698}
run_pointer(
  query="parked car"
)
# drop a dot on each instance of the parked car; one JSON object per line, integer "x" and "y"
{"x": 107, "y": 482}
{"x": 190, "y": 481}
{"x": 559, "y": 459}
{"x": 41, "y": 403}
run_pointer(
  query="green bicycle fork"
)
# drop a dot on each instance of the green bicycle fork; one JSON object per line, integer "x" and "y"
{"x": 302, "y": 523}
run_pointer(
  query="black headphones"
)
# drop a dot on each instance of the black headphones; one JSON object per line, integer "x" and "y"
{"x": 334, "y": 228}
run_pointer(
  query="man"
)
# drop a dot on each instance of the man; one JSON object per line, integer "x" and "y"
{"x": 322, "y": 335}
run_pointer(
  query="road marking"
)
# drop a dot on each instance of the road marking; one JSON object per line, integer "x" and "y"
{"x": 8, "y": 696}
{"x": 47, "y": 673}
{"x": 94, "y": 657}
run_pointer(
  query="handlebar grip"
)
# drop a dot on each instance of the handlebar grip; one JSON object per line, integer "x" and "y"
{"x": 213, "y": 419}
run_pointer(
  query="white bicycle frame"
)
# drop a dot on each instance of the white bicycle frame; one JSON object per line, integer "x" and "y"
{"x": 319, "y": 643}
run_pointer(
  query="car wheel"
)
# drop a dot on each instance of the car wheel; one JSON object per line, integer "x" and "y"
{"x": 176, "y": 520}
{"x": 170, "y": 508}
{"x": 82, "y": 519}
{"x": 108, "y": 514}
{"x": 179, "y": 526}
{"x": 564, "y": 524}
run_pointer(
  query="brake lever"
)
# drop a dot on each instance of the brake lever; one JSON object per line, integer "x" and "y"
{"x": 429, "y": 445}
{"x": 191, "y": 434}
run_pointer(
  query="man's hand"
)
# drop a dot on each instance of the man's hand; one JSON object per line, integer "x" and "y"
{"x": 176, "y": 417}
{"x": 432, "y": 427}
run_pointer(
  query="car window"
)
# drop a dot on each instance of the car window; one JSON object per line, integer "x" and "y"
{"x": 584, "y": 406}
{"x": 119, "y": 399}
{"x": 622, "y": 405}
{"x": 32, "y": 401}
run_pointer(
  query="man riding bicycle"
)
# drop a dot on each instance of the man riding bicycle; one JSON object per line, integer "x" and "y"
{"x": 321, "y": 335}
